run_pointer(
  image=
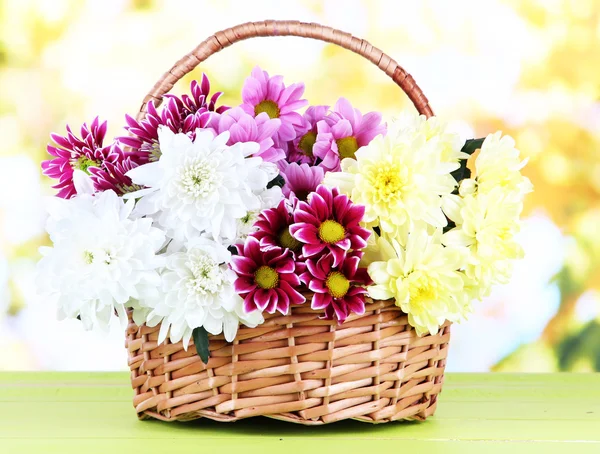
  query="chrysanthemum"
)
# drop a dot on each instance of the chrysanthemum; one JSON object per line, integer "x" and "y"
{"x": 397, "y": 180}
{"x": 338, "y": 289}
{"x": 498, "y": 164}
{"x": 143, "y": 138}
{"x": 71, "y": 153}
{"x": 111, "y": 175}
{"x": 301, "y": 179}
{"x": 185, "y": 115}
{"x": 329, "y": 221}
{"x": 200, "y": 186}
{"x": 269, "y": 198}
{"x": 267, "y": 279}
{"x": 343, "y": 132}
{"x": 247, "y": 128}
{"x": 301, "y": 149}
{"x": 262, "y": 93}
{"x": 197, "y": 291}
{"x": 423, "y": 277}
{"x": 272, "y": 228}
{"x": 435, "y": 130}
{"x": 100, "y": 258}
{"x": 486, "y": 223}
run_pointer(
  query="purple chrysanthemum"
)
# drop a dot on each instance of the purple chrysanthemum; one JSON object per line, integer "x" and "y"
{"x": 338, "y": 289}
{"x": 329, "y": 221}
{"x": 301, "y": 149}
{"x": 267, "y": 279}
{"x": 71, "y": 152}
{"x": 112, "y": 174}
{"x": 243, "y": 127}
{"x": 301, "y": 179}
{"x": 272, "y": 228}
{"x": 262, "y": 93}
{"x": 343, "y": 132}
{"x": 184, "y": 114}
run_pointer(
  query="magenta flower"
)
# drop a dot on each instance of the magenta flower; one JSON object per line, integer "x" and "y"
{"x": 267, "y": 279}
{"x": 329, "y": 221}
{"x": 247, "y": 128}
{"x": 71, "y": 152}
{"x": 272, "y": 228}
{"x": 262, "y": 93}
{"x": 301, "y": 179}
{"x": 301, "y": 149}
{"x": 343, "y": 132}
{"x": 112, "y": 174}
{"x": 198, "y": 102}
{"x": 339, "y": 290}
{"x": 179, "y": 115}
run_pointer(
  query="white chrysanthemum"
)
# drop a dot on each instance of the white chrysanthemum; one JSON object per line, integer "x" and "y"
{"x": 269, "y": 198}
{"x": 423, "y": 277}
{"x": 486, "y": 223}
{"x": 497, "y": 165}
{"x": 197, "y": 291}
{"x": 203, "y": 186}
{"x": 101, "y": 259}
{"x": 398, "y": 179}
{"x": 410, "y": 123}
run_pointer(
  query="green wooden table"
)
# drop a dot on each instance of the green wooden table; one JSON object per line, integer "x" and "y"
{"x": 478, "y": 413}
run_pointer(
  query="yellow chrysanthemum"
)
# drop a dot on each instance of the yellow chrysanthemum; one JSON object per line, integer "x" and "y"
{"x": 398, "y": 179}
{"x": 497, "y": 165}
{"x": 486, "y": 223}
{"x": 423, "y": 277}
{"x": 409, "y": 124}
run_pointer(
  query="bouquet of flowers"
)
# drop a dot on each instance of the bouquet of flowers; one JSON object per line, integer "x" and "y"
{"x": 204, "y": 216}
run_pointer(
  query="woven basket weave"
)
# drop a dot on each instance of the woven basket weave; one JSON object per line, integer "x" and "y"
{"x": 297, "y": 368}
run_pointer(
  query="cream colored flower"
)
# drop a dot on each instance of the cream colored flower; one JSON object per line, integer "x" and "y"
{"x": 399, "y": 179}
{"x": 486, "y": 224}
{"x": 449, "y": 144}
{"x": 497, "y": 165}
{"x": 423, "y": 277}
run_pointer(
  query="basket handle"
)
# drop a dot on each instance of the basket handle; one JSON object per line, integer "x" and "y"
{"x": 241, "y": 32}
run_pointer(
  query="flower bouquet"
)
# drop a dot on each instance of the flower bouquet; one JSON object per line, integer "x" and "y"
{"x": 275, "y": 259}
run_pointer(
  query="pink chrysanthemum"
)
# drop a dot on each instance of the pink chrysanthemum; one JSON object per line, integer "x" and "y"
{"x": 243, "y": 127}
{"x": 266, "y": 278}
{"x": 301, "y": 149}
{"x": 301, "y": 179}
{"x": 112, "y": 174}
{"x": 262, "y": 93}
{"x": 343, "y": 132}
{"x": 329, "y": 221}
{"x": 272, "y": 228}
{"x": 72, "y": 152}
{"x": 338, "y": 289}
{"x": 179, "y": 115}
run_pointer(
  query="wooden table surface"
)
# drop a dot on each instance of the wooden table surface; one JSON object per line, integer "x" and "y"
{"x": 478, "y": 413}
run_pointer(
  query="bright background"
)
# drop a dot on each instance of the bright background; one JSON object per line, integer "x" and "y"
{"x": 529, "y": 68}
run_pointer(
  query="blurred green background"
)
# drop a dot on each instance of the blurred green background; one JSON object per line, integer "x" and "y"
{"x": 527, "y": 67}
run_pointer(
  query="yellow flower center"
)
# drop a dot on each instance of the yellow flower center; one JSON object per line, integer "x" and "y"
{"x": 337, "y": 284}
{"x": 331, "y": 231}
{"x": 286, "y": 240}
{"x": 266, "y": 277}
{"x": 307, "y": 142}
{"x": 387, "y": 182}
{"x": 423, "y": 290}
{"x": 347, "y": 147}
{"x": 269, "y": 107}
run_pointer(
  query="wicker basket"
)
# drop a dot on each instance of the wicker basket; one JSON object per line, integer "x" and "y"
{"x": 298, "y": 368}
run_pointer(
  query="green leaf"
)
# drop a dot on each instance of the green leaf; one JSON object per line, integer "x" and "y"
{"x": 277, "y": 181}
{"x": 201, "y": 342}
{"x": 470, "y": 147}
